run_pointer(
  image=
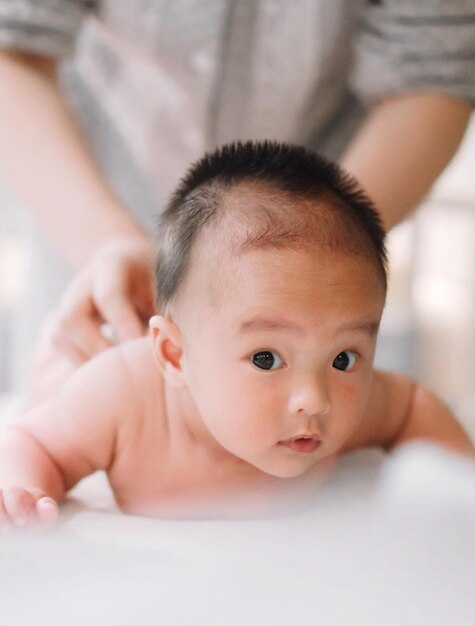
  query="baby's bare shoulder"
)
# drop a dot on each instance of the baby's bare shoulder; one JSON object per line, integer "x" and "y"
{"x": 137, "y": 357}
{"x": 142, "y": 432}
{"x": 389, "y": 400}
{"x": 113, "y": 375}
{"x": 143, "y": 385}
{"x": 102, "y": 401}
{"x": 133, "y": 366}
{"x": 111, "y": 390}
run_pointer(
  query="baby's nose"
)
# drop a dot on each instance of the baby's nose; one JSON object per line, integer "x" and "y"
{"x": 309, "y": 398}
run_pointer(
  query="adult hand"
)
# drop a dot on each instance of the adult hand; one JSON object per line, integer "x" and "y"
{"x": 115, "y": 288}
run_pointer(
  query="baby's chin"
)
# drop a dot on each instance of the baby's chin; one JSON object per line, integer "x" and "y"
{"x": 291, "y": 473}
{"x": 285, "y": 469}
{"x": 289, "y": 470}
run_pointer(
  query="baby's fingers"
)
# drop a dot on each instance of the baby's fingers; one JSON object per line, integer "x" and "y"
{"x": 18, "y": 505}
{"x": 3, "y": 513}
{"x": 47, "y": 510}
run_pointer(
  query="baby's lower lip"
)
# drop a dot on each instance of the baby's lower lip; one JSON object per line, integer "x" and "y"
{"x": 301, "y": 444}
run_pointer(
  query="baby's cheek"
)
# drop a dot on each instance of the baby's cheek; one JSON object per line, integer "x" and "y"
{"x": 247, "y": 418}
{"x": 349, "y": 407}
{"x": 354, "y": 391}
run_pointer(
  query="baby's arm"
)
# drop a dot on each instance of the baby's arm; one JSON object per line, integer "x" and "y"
{"x": 400, "y": 410}
{"x": 50, "y": 448}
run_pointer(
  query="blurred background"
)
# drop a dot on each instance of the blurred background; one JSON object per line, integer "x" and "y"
{"x": 428, "y": 327}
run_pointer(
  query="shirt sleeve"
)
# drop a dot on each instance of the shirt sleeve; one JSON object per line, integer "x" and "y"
{"x": 47, "y": 27}
{"x": 404, "y": 46}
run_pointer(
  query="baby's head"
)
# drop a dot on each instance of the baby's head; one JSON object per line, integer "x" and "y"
{"x": 271, "y": 279}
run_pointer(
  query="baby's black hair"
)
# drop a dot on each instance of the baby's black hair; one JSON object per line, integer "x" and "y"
{"x": 320, "y": 204}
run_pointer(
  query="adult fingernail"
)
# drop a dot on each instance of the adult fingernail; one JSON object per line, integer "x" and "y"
{"x": 108, "y": 333}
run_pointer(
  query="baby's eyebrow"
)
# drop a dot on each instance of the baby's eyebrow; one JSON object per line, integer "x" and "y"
{"x": 371, "y": 327}
{"x": 267, "y": 323}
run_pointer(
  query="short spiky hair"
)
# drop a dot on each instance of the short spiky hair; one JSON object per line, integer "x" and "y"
{"x": 341, "y": 216}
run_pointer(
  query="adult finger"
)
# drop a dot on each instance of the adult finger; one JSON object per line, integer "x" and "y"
{"x": 83, "y": 340}
{"x": 63, "y": 342}
{"x": 75, "y": 309}
{"x": 115, "y": 307}
{"x": 76, "y": 327}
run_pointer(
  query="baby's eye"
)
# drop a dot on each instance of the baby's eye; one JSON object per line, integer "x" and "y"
{"x": 267, "y": 360}
{"x": 345, "y": 361}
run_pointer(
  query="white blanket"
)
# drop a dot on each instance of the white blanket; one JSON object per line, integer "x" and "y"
{"x": 386, "y": 541}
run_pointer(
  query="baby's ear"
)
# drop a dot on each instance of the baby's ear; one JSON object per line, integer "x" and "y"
{"x": 168, "y": 349}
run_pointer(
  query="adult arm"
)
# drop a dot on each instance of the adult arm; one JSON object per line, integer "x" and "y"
{"x": 414, "y": 69}
{"x": 402, "y": 148}
{"x": 46, "y": 163}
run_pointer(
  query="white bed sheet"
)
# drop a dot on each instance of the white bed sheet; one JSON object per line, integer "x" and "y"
{"x": 386, "y": 541}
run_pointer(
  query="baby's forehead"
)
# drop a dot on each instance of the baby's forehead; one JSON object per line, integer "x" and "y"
{"x": 275, "y": 273}
{"x": 296, "y": 285}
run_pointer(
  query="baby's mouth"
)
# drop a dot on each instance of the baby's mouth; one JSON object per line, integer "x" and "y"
{"x": 303, "y": 443}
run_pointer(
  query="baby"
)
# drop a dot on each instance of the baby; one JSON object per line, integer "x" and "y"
{"x": 258, "y": 370}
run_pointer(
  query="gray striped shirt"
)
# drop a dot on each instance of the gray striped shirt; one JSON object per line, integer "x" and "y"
{"x": 156, "y": 82}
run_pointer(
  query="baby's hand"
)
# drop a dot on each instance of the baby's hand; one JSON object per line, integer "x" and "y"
{"x": 20, "y": 506}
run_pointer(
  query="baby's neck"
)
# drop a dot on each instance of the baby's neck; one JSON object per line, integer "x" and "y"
{"x": 185, "y": 422}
